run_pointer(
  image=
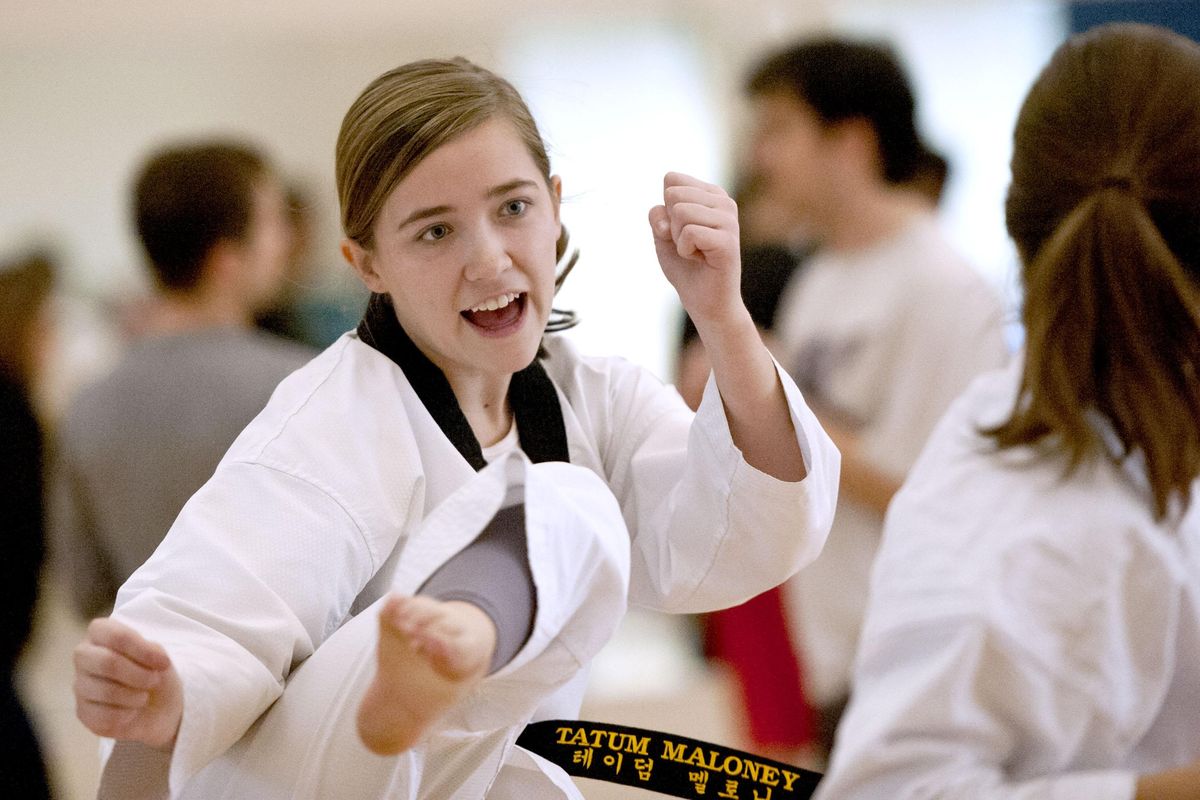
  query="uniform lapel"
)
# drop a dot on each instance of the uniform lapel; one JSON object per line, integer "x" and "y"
{"x": 531, "y": 394}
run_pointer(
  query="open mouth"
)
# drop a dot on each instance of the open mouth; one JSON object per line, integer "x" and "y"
{"x": 497, "y": 314}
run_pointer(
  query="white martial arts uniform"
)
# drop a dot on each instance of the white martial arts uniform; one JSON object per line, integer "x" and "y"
{"x": 1027, "y": 636}
{"x": 344, "y": 487}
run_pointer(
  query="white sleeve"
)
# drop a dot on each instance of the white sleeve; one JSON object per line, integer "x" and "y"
{"x": 709, "y": 530}
{"x": 939, "y": 708}
{"x": 257, "y": 571}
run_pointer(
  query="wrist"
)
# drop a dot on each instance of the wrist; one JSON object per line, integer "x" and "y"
{"x": 164, "y": 740}
{"x": 733, "y": 324}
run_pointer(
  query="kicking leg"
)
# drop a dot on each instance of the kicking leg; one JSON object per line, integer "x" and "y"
{"x": 468, "y": 620}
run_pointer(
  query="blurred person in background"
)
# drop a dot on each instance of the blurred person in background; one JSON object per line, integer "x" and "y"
{"x": 305, "y": 309}
{"x": 754, "y": 639}
{"x": 134, "y": 446}
{"x": 885, "y": 325}
{"x": 1034, "y": 622}
{"x": 25, "y": 285}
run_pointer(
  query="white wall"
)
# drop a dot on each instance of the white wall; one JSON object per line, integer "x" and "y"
{"x": 620, "y": 105}
{"x": 90, "y": 112}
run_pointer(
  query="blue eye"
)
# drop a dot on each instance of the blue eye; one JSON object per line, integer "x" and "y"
{"x": 435, "y": 232}
{"x": 515, "y": 208}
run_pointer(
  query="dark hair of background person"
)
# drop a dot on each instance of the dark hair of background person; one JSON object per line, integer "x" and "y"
{"x": 930, "y": 177}
{"x": 1104, "y": 208}
{"x": 25, "y": 285}
{"x": 187, "y": 198}
{"x": 842, "y": 80}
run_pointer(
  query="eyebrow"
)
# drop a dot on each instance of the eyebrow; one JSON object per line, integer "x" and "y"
{"x": 420, "y": 214}
{"x": 505, "y": 188}
{"x": 495, "y": 191}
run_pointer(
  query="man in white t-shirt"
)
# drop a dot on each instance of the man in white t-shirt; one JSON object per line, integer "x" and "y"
{"x": 885, "y": 326}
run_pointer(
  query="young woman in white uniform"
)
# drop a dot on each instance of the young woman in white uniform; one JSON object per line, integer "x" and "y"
{"x": 1034, "y": 622}
{"x": 286, "y": 582}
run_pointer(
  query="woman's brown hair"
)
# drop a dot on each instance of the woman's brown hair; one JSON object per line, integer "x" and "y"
{"x": 1104, "y": 208}
{"x": 25, "y": 284}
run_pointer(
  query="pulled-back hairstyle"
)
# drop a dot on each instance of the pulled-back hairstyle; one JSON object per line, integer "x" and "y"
{"x": 839, "y": 80}
{"x": 407, "y": 113}
{"x": 1104, "y": 208}
{"x": 187, "y": 198}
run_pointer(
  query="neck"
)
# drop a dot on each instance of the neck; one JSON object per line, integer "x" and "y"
{"x": 484, "y": 402}
{"x": 865, "y": 218}
{"x": 177, "y": 312}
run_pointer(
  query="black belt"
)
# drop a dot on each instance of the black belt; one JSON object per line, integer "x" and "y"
{"x": 661, "y": 762}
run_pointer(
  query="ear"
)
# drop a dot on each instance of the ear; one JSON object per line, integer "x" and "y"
{"x": 859, "y": 142}
{"x": 556, "y": 196}
{"x": 363, "y": 262}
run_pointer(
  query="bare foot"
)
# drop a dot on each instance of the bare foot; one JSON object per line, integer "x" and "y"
{"x": 431, "y": 655}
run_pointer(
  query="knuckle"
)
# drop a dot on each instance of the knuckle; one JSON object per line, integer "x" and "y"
{"x": 123, "y": 638}
{"x": 109, "y": 663}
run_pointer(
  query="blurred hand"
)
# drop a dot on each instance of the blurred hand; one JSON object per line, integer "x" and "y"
{"x": 696, "y": 239}
{"x": 126, "y": 687}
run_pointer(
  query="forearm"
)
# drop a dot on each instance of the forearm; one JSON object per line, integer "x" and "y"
{"x": 862, "y": 481}
{"x": 760, "y": 421}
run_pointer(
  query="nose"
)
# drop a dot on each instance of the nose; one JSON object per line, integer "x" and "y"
{"x": 488, "y": 257}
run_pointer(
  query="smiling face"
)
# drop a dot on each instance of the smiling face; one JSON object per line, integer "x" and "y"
{"x": 465, "y": 246}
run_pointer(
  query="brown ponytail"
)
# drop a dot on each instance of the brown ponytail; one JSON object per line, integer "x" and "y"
{"x": 1105, "y": 210}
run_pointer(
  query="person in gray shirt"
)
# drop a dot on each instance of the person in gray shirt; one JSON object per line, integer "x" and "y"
{"x": 133, "y": 447}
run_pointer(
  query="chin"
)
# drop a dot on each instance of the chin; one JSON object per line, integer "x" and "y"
{"x": 526, "y": 355}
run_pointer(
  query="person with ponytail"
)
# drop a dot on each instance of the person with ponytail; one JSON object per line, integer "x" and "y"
{"x": 420, "y": 543}
{"x": 1034, "y": 623}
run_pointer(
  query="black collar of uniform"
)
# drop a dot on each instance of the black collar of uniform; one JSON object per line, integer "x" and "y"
{"x": 531, "y": 393}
